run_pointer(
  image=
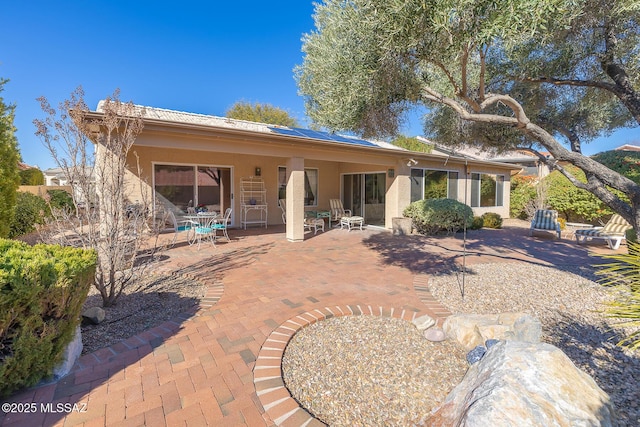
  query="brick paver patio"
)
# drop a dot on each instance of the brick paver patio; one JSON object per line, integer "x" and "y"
{"x": 200, "y": 369}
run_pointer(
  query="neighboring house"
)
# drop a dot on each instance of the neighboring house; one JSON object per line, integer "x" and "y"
{"x": 529, "y": 164}
{"x": 628, "y": 147}
{"x": 193, "y": 159}
{"x": 58, "y": 177}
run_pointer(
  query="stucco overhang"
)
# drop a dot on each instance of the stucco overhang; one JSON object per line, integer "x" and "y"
{"x": 202, "y": 137}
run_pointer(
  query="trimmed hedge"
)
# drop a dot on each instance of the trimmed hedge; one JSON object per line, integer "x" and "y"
{"x": 42, "y": 289}
{"x": 436, "y": 216}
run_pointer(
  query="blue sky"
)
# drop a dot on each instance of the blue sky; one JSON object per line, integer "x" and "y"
{"x": 196, "y": 56}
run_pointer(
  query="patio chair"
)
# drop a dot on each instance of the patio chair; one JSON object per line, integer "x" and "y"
{"x": 178, "y": 226}
{"x": 223, "y": 224}
{"x": 204, "y": 229}
{"x": 612, "y": 233}
{"x": 337, "y": 210}
{"x": 309, "y": 223}
{"x": 545, "y": 220}
{"x": 282, "y": 204}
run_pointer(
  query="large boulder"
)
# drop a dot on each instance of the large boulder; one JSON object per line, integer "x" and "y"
{"x": 472, "y": 330}
{"x": 93, "y": 315}
{"x": 524, "y": 384}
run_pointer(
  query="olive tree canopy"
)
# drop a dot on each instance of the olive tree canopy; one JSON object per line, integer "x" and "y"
{"x": 536, "y": 74}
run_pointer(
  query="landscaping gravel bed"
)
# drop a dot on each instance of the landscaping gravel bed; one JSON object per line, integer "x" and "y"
{"x": 370, "y": 371}
{"x": 141, "y": 306}
{"x": 568, "y": 302}
{"x": 365, "y": 370}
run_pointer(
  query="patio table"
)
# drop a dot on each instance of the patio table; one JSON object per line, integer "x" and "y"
{"x": 201, "y": 219}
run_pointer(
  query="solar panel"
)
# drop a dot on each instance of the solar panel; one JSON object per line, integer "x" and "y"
{"x": 320, "y": 135}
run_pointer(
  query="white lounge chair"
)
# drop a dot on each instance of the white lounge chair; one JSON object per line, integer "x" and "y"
{"x": 613, "y": 232}
{"x": 545, "y": 220}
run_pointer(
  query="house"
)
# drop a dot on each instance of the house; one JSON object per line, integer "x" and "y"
{"x": 192, "y": 159}
{"x": 628, "y": 147}
{"x": 68, "y": 180}
{"x": 525, "y": 163}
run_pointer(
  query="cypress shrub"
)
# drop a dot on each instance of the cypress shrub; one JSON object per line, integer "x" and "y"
{"x": 42, "y": 289}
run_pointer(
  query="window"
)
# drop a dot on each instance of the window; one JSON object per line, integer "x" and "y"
{"x": 433, "y": 184}
{"x": 486, "y": 190}
{"x": 310, "y": 185}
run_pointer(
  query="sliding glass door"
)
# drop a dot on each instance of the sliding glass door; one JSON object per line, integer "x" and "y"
{"x": 364, "y": 195}
{"x": 183, "y": 186}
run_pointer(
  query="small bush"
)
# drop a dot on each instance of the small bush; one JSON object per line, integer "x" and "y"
{"x": 477, "y": 223}
{"x": 436, "y": 216}
{"x": 42, "y": 290}
{"x": 30, "y": 210}
{"x": 491, "y": 220}
{"x": 60, "y": 199}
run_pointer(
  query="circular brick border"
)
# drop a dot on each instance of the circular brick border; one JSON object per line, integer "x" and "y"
{"x": 272, "y": 393}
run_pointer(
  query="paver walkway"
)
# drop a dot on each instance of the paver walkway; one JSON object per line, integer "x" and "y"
{"x": 198, "y": 370}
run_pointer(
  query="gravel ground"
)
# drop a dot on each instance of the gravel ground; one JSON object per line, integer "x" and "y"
{"x": 568, "y": 303}
{"x": 140, "y": 307}
{"x": 363, "y": 370}
{"x": 369, "y": 371}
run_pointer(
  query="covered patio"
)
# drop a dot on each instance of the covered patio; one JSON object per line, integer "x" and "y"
{"x": 194, "y": 160}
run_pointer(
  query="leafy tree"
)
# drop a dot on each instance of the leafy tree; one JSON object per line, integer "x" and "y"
{"x": 31, "y": 176}
{"x": 413, "y": 144}
{"x": 625, "y": 162}
{"x": 571, "y": 202}
{"x": 9, "y": 157}
{"x": 477, "y": 66}
{"x": 261, "y": 113}
{"x": 102, "y": 218}
{"x": 523, "y": 191}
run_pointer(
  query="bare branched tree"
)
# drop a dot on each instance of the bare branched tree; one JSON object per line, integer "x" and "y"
{"x": 92, "y": 151}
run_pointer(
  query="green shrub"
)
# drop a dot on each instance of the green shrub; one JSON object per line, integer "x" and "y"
{"x": 626, "y": 163}
{"x": 435, "y": 216}
{"x": 624, "y": 275}
{"x": 523, "y": 191}
{"x": 42, "y": 289}
{"x": 60, "y": 199}
{"x": 491, "y": 220}
{"x": 29, "y": 211}
{"x": 571, "y": 202}
{"x": 477, "y": 223}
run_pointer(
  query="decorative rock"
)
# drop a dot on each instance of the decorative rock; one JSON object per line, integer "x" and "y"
{"x": 94, "y": 315}
{"x": 490, "y": 343}
{"x": 517, "y": 384}
{"x": 472, "y": 330}
{"x": 423, "y": 322}
{"x": 527, "y": 328}
{"x": 71, "y": 354}
{"x": 476, "y": 354}
{"x": 435, "y": 334}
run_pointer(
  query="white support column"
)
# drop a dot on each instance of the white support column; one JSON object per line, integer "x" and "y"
{"x": 295, "y": 199}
